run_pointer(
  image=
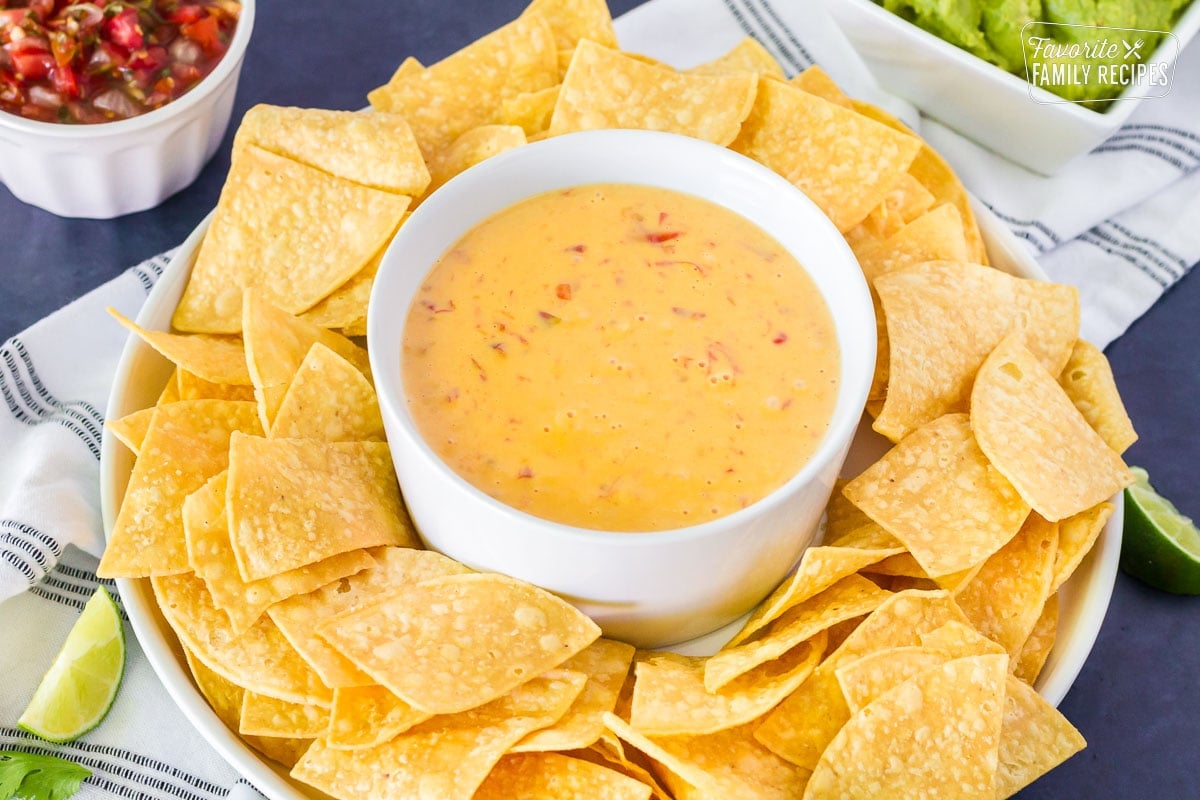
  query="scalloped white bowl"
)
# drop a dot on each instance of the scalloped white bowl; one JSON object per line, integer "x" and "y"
{"x": 109, "y": 169}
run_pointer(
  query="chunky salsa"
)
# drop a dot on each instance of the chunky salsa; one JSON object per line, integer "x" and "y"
{"x": 87, "y": 62}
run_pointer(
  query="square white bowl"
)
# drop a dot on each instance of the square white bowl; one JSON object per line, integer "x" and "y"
{"x": 997, "y": 109}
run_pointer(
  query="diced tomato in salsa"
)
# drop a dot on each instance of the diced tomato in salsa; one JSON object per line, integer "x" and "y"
{"x": 101, "y": 60}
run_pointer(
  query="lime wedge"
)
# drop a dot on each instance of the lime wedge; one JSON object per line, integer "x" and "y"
{"x": 81, "y": 684}
{"x": 1160, "y": 547}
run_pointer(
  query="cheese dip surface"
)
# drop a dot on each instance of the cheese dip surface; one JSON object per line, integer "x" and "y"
{"x": 621, "y": 357}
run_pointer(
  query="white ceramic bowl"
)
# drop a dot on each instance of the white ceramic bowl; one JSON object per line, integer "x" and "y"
{"x": 108, "y": 169}
{"x": 1025, "y": 124}
{"x": 142, "y": 373}
{"x": 651, "y": 589}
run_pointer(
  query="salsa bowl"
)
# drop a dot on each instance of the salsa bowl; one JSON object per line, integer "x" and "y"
{"x": 107, "y": 169}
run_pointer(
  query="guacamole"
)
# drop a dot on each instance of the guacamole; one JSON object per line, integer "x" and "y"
{"x": 1091, "y": 64}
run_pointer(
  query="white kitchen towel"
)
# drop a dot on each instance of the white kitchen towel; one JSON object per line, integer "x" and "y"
{"x": 55, "y": 378}
{"x": 144, "y": 748}
{"x": 1122, "y": 224}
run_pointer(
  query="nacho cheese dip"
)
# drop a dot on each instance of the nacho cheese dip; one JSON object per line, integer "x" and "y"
{"x": 621, "y": 357}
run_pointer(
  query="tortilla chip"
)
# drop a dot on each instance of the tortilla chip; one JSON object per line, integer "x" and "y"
{"x": 349, "y": 302}
{"x": 1004, "y": 600}
{"x": 669, "y": 696}
{"x": 447, "y": 757}
{"x": 938, "y": 494}
{"x": 170, "y": 392}
{"x": 225, "y": 698}
{"x": 1088, "y": 381}
{"x": 298, "y": 617}
{"x": 816, "y": 81}
{"x": 408, "y": 68}
{"x": 904, "y": 565}
{"x": 277, "y": 344}
{"x": 740, "y": 767}
{"x": 293, "y": 232}
{"x": 852, "y": 596}
{"x": 803, "y": 725}
{"x": 907, "y": 201}
{"x": 204, "y": 629}
{"x": 193, "y": 387}
{"x": 330, "y": 400}
{"x": 1036, "y": 649}
{"x": 473, "y": 147}
{"x": 935, "y": 236}
{"x": 944, "y": 318}
{"x": 932, "y": 171}
{"x": 551, "y": 776}
{"x": 366, "y": 716}
{"x": 187, "y": 443}
{"x": 453, "y": 643}
{"x": 268, "y": 716}
{"x": 959, "y": 639}
{"x": 1034, "y": 435}
{"x": 842, "y": 516}
{"x": 868, "y": 536}
{"x": 131, "y": 429}
{"x": 467, "y": 89}
{"x": 572, "y": 20}
{"x": 679, "y": 775}
{"x": 874, "y": 674}
{"x": 223, "y": 695}
{"x": 605, "y": 88}
{"x": 219, "y": 359}
{"x": 294, "y": 502}
{"x": 376, "y": 150}
{"x": 745, "y": 56}
{"x": 845, "y": 162}
{"x": 1077, "y": 534}
{"x": 531, "y": 111}
{"x": 210, "y": 555}
{"x": 356, "y": 328}
{"x": 877, "y": 394}
{"x": 819, "y": 569}
{"x": 937, "y": 735}
{"x": 606, "y": 664}
{"x": 1034, "y": 739}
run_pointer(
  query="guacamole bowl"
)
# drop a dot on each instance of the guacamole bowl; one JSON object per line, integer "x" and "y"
{"x": 999, "y": 110}
{"x": 651, "y": 588}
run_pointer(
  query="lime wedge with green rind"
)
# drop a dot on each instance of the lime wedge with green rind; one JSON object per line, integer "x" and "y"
{"x": 1160, "y": 546}
{"x": 80, "y": 686}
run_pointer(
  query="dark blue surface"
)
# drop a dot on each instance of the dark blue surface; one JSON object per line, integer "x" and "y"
{"x": 1136, "y": 699}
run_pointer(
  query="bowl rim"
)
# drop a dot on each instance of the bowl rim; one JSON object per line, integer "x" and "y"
{"x": 225, "y": 68}
{"x": 856, "y": 367}
{"x": 1120, "y": 108}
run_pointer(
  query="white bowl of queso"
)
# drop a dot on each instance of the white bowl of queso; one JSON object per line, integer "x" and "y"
{"x": 625, "y": 366}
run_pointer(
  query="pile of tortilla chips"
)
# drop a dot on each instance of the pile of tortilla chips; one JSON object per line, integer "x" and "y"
{"x": 900, "y": 653}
